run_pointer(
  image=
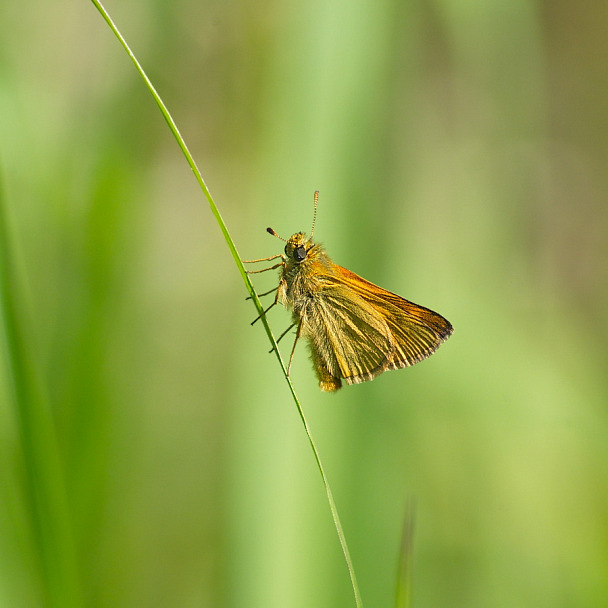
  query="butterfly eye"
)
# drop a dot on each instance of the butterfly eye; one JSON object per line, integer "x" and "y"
{"x": 299, "y": 254}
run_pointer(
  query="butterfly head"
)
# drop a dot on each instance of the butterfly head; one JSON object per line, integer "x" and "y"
{"x": 297, "y": 247}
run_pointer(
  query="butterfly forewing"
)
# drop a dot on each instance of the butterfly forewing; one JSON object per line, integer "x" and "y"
{"x": 404, "y": 333}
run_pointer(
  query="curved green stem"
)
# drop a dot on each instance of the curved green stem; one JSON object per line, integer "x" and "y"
{"x": 199, "y": 178}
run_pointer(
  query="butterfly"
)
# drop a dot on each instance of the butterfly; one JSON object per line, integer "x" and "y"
{"x": 355, "y": 329}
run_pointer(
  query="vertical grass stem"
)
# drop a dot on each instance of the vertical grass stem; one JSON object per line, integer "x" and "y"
{"x": 184, "y": 148}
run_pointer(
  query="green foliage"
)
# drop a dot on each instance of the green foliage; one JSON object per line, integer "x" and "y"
{"x": 460, "y": 154}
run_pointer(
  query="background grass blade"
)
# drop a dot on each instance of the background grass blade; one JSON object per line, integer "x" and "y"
{"x": 43, "y": 477}
{"x": 404, "y": 573}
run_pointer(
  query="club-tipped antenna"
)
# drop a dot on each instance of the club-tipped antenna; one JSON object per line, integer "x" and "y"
{"x": 314, "y": 217}
{"x": 271, "y": 231}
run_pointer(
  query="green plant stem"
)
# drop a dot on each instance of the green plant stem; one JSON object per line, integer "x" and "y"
{"x": 43, "y": 482}
{"x": 403, "y": 596}
{"x": 184, "y": 148}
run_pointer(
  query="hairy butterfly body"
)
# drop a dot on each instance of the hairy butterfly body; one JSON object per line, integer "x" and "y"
{"x": 355, "y": 329}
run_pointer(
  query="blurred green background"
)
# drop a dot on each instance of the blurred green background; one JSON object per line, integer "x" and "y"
{"x": 460, "y": 150}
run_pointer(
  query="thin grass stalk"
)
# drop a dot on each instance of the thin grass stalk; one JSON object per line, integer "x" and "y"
{"x": 44, "y": 484}
{"x": 403, "y": 596}
{"x": 237, "y": 258}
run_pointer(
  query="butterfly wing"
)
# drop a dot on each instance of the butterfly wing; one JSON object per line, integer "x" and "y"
{"x": 349, "y": 340}
{"x": 367, "y": 330}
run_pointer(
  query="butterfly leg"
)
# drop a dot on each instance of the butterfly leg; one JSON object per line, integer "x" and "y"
{"x": 264, "y": 269}
{"x": 281, "y": 336}
{"x": 266, "y": 310}
{"x": 276, "y": 299}
{"x": 272, "y": 257}
{"x": 284, "y": 333}
{"x": 293, "y": 350}
{"x": 266, "y": 293}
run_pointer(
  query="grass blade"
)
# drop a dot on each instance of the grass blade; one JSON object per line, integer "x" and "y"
{"x": 44, "y": 482}
{"x": 184, "y": 148}
{"x": 404, "y": 575}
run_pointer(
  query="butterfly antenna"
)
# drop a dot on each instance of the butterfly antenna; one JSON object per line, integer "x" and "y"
{"x": 314, "y": 217}
{"x": 271, "y": 231}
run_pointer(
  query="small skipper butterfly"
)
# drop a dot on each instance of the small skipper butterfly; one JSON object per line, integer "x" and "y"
{"x": 355, "y": 329}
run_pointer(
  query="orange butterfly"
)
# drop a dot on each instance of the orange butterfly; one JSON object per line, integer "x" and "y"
{"x": 355, "y": 329}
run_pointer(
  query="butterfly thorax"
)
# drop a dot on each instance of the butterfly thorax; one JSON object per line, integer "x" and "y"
{"x": 304, "y": 272}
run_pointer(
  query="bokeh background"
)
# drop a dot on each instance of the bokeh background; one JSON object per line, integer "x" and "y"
{"x": 460, "y": 150}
